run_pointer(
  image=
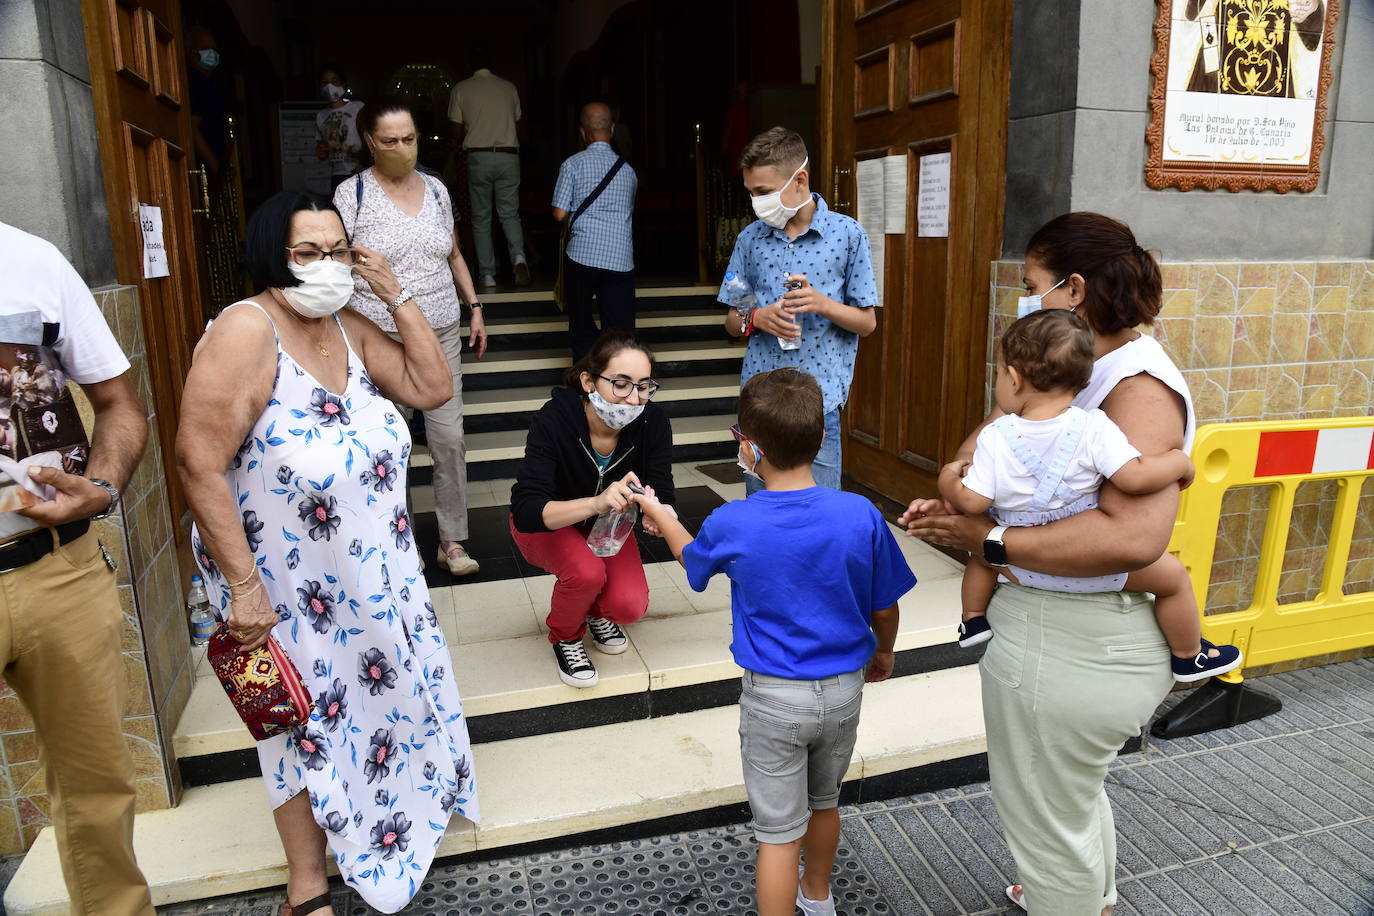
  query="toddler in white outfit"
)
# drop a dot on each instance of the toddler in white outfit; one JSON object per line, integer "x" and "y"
{"x": 1045, "y": 460}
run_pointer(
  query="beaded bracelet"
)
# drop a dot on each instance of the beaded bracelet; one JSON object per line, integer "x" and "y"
{"x": 245, "y": 580}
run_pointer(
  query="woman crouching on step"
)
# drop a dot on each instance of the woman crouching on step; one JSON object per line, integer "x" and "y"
{"x": 597, "y": 436}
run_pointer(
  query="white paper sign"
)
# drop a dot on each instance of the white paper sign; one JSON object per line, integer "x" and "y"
{"x": 932, "y": 201}
{"x": 154, "y": 255}
{"x": 894, "y": 194}
{"x": 869, "y": 179}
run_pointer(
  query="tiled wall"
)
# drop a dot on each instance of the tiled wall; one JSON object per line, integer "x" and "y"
{"x": 158, "y": 673}
{"x": 1261, "y": 341}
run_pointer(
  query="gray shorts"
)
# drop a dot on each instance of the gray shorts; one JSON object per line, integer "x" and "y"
{"x": 796, "y": 739}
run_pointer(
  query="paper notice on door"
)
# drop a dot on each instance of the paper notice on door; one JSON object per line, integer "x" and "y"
{"x": 894, "y": 194}
{"x": 871, "y": 192}
{"x": 154, "y": 254}
{"x": 932, "y": 198}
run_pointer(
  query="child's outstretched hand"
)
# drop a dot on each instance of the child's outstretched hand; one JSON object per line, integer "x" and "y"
{"x": 880, "y": 667}
{"x": 644, "y": 500}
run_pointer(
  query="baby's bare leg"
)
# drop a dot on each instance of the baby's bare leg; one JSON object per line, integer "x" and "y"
{"x": 1175, "y": 606}
{"x": 980, "y": 580}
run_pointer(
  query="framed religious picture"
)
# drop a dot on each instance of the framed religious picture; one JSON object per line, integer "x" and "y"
{"x": 1239, "y": 95}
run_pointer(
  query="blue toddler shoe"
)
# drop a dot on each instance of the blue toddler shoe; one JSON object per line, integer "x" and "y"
{"x": 1205, "y": 665}
{"x": 973, "y": 631}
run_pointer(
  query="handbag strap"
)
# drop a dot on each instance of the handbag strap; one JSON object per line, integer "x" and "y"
{"x": 619, "y": 161}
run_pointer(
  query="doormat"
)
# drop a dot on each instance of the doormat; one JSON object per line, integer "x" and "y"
{"x": 723, "y": 472}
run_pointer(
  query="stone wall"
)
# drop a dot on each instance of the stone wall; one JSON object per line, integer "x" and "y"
{"x": 1264, "y": 341}
{"x": 157, "y": 667}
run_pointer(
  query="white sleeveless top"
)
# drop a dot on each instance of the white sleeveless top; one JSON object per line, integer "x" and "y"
{"x": 1144, "y": 354}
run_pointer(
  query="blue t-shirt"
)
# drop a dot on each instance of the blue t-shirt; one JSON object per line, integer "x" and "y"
{"x": 807, "y": 570}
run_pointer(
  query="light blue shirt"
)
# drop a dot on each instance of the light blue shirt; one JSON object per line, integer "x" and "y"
{"x": 603, "y": 236}
{"x": 833, "y": 253}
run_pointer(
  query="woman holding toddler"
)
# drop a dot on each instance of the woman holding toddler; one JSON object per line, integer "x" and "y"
{"x": 1075, "y": 411}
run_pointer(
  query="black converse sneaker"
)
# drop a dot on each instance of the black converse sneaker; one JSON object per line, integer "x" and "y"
{"x": 574, "y": 667}
{"x": 607, "y": 635}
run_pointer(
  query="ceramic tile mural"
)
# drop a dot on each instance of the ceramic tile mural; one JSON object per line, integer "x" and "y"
{"x": 1261, "y": 341}
{"x": 158, "y": 671}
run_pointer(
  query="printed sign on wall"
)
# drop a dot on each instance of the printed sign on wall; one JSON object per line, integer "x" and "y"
{"x": 1240, "y": 89}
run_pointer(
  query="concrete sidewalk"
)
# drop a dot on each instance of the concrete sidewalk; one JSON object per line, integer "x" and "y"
{"x": 1275, "y": 818}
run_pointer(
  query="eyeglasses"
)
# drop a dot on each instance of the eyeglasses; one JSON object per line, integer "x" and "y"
{"x": 393, "y": 142}
{"x": 309, "y": 254}
{"x": 741, "y": 437}
{"x": 623, "y": 386}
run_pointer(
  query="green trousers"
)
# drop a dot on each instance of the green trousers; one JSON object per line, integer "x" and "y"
{"x": 1067, "y": 679}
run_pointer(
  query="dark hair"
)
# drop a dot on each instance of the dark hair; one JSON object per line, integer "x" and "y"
{"x": 269, "y": 232}
{"x": 1122, "y": 284}
{"x": 480, "y": 55}
{"x": 784, "y": 412}
{"x": 379, "y": 108}
{"x": 338, "y": 71}
{"x": 1051, "y": 348}
{"x": 603, "y": 350}
{"x": 779, "y": 147}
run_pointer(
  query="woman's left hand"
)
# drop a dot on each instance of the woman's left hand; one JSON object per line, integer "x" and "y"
{"x": 649, "y": 527}
{"x": 934, "y": 522}
{"x": 477, "y": 338}
{"x": 372, "y": 266}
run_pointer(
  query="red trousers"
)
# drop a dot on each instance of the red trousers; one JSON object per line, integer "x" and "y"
{"x": 588, "y": 585}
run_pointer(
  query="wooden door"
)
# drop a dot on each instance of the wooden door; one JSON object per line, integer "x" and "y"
{"x": 912, "y": 78}
{"x": 138, "y": 73}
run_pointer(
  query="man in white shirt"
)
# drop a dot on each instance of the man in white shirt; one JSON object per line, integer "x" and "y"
{"x": 60, "y": 618}
{"x": 484, "y": 110}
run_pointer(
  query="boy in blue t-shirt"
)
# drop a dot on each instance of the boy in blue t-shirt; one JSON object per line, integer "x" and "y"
{"x": 815, "y": 576}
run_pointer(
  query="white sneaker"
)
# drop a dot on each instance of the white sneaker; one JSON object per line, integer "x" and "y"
{"x": 607, "y": 635}
{"x": 574, "y": 667}
{"x": 488, "y": 281}
{"x": 456, "y": 560}
{"x": 810, "y": 907}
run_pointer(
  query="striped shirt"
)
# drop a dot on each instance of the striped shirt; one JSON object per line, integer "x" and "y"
{"x": 603, "y": 236}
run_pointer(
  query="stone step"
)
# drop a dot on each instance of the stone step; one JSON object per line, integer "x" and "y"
{"x": 924, "y": 731}
{"x": 518, "y": 325}
{"x": 679, "y": 660}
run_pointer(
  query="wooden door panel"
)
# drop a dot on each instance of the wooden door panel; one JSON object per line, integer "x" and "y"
{"x": 145, "y": 132}
{"x": 907, "y": 84}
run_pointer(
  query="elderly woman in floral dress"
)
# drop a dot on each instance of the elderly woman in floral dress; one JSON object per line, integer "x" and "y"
{"x": 295, "y": 473}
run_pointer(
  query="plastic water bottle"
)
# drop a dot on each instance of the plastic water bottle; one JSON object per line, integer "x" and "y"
{"x": 611, "y": 530}
{"x": 198, "y": 607}
{"x": 788, "y": 285}
{"x": 740, "y": 294}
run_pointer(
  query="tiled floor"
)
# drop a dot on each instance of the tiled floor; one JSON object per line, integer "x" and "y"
{"x": 1273, "y": 818}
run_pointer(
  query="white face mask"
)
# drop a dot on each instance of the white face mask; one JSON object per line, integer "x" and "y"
{"x": 1027, "y": 304}
{"x": 331, "y": 92}
{"x": 616, "y": 416}
{"x": 739, "y": 460}
{"x": 326, "y": 287}
{"x": 771, "y": 209}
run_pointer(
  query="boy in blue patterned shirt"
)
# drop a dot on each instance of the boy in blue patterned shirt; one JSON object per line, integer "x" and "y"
{"x": 797, "y": 241}
{"x": 815, "y": 575}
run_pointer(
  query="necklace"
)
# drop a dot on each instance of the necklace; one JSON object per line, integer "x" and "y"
{"x": 324, "y": 350}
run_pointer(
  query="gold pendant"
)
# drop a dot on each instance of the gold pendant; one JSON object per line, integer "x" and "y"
{"x": 324, "y": 351}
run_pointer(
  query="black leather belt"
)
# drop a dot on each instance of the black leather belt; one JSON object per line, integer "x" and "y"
{"x": 36, "y": 545}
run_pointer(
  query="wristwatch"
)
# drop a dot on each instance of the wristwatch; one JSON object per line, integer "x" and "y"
{"x": 399, "y": 301}
{"x": 114, "y": 498}
{"x": 994, "y": 551}
{"x": 474, "y": 305}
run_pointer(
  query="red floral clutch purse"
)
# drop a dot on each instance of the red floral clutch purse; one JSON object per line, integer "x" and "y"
{"x": 264, "y": 686}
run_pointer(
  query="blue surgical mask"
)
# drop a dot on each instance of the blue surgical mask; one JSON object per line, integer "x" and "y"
{"x": 209, "y": 58}
{"x": 1027, "y": 304}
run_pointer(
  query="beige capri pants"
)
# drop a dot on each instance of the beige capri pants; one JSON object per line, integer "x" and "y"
{"x": 1066, "y": 681}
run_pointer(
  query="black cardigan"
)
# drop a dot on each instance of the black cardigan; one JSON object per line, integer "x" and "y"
{"x": 559, "y": 463}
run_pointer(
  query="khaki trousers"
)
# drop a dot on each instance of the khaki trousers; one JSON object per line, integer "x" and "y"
{"x": 60, "y": 627}
{"x": 444, "y": 432}
{"x": 1067, "y": 679}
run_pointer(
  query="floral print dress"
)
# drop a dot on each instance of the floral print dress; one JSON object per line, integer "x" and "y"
{"x": 320, "y": 485}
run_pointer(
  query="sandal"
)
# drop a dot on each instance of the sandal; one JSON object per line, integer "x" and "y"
{"x": 1015, "y": 899}
{"x": 313, "y": 905}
